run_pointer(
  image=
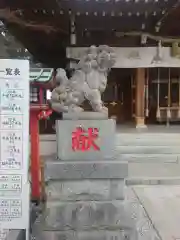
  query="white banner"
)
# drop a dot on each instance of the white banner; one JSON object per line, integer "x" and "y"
{"x": 14, "y": 144}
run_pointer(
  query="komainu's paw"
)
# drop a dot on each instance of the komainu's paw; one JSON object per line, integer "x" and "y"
{"x": 75, "y": 109}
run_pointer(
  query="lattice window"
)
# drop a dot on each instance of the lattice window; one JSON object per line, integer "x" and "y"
{"x": 34, "y": 95}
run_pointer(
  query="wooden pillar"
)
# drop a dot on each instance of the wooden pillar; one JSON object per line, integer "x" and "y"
{"x": 35, "y": 161}
{"x": 140, "y": 98}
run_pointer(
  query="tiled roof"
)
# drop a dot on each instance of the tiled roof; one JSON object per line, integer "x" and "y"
{"x": 41, "y": 75}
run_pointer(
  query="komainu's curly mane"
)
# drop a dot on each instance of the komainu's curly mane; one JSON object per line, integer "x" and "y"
{"x": 88, "y": 81}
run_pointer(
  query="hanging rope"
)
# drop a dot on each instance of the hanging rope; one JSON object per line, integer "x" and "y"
{"x": 147, "y": 94}
{"x": 116, "y": 92}
{"x": 158, "y": 115}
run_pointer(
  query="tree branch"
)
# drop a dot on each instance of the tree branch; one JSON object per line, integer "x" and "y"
{"x": 11, "y": 17}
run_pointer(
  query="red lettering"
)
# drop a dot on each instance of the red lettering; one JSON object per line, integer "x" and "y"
{"x": 83, "y": 140}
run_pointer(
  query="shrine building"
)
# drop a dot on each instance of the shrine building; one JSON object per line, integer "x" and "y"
{"x": 144, "y": 85}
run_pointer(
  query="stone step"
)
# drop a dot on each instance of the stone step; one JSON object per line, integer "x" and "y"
{"x": 153, "y": 158}
{"x": 144, "y": 142}
{"x": 148, "y": 150}
{"x": 148, "y": 147}
{"x": 153, "y": 170}
{"x": 148, "y": 135}
{"x": 86, "y": 235}
{"x": 153, "y": 181}
{"x": 148, "y": 139}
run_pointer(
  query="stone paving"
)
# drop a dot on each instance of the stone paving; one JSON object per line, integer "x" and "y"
{"x": 162, "y": 205}
{"x": 145, "y": 228}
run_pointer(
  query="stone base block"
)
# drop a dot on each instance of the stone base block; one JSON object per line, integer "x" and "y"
{"x": 87, "y": 215}
{"x": 85, "y": 139}
{"x": 57, "y": 170}
{"x": 16, "y": 235}
{"x": 140, "y": 123}
{"x": 86, "y": 190}
{"x": 87, "y": 235}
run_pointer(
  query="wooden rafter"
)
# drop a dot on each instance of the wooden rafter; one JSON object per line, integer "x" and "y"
{"x": 167, "y": 39}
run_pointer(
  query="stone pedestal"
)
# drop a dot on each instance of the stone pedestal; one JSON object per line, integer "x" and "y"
{"x": 85, "y": 189}
{"x": 67, "y": 130}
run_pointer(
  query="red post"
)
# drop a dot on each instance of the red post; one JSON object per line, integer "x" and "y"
{"x": 35, "y": 160}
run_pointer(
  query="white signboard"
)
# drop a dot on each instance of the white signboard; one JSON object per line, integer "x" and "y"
{"x": 14, "y": 144}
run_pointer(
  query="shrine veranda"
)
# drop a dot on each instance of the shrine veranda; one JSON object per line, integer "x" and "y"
{"x": 14, "y": 145}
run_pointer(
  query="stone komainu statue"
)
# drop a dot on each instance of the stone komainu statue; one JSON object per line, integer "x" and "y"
{"x": 87, "y": 83}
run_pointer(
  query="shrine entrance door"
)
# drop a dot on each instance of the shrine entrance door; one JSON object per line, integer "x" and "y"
{"x": 118, "y": 96}
{"x": 125, "y": 99}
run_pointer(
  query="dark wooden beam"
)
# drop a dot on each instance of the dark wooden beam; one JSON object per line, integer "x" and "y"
{"x": 123, "y": 24}
{"x": 113, "y": 6}
{"x": 60, "y": 22}
{"x": 29, "y": 4}
{"x": 169, "y": 14}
